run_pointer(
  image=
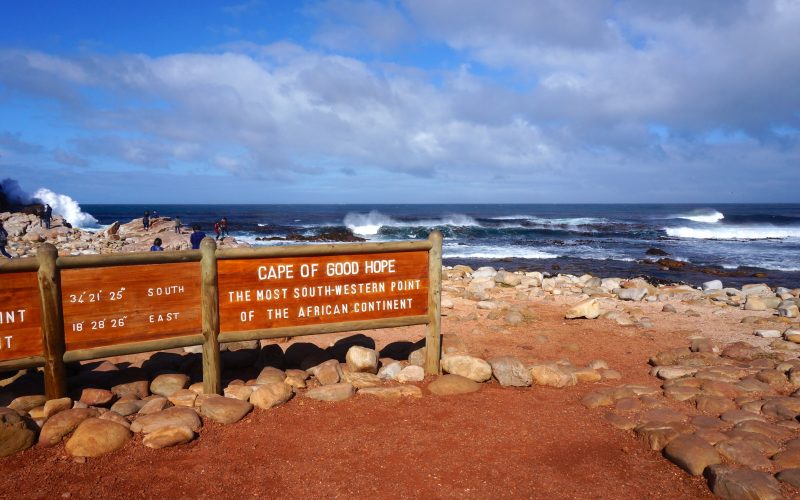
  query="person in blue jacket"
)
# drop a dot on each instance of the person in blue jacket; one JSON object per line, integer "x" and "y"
{"x": 156, "y": 246}
{"x": 196, "y": 237}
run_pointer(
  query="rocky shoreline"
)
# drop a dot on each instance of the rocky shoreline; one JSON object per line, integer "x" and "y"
{"x": 26, "y": 232}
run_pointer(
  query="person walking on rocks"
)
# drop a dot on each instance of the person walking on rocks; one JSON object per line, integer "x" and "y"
{"x": 223, "y": 227}
{"x": 4, "y": 241}
{"x": 47, "y": 216}
{"x": 156, "y": 246}
{"x": 146, "y": 220}
{"x": 217, "y": 229}
{"x": 177, "y": 225}
{"x": 196, "y": 237}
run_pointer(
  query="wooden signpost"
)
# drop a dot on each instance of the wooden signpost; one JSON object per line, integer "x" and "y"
{"x": 62, "y": 309}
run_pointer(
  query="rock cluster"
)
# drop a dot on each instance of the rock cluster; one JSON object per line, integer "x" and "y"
{"x": 737, "y": 417}
{"x": 26, "y": 233}
{"x": 160, "y": 402}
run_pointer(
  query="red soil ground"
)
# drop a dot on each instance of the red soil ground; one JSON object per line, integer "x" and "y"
{"x": 500, "y": 442}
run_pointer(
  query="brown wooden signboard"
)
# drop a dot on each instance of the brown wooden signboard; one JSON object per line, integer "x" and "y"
{"x": 257, "y": 294}
{"x": 116, "y": 305}
{"x": 20, "y": 323}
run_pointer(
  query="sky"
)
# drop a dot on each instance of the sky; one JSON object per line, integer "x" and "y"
{"x": 402, "y": 101}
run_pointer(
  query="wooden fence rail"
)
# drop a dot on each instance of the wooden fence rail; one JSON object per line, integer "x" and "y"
{"x": 56, "y": 310}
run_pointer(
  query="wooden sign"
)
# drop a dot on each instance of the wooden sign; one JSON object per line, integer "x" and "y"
{"x": 20, "y": 324}
{"x": 116, "y": 305}
{"x": 295, "y": 291}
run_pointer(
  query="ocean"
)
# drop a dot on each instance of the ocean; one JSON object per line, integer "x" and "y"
{"x": 735, "y": 243}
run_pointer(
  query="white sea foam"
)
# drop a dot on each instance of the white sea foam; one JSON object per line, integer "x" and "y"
{"x": 706, "y": 215}
{"x": 66, "y": 207}
{"x": 734, "y": 232}
{"x": 370, "y": 224}
{"x": 493, "y": 252}
{"x": 560, "y": 221}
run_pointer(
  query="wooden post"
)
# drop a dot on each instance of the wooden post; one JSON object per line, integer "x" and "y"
{"x": 433, "y": 336}
{"x": 55, "y": 380}
{"x": 212, "y": 373}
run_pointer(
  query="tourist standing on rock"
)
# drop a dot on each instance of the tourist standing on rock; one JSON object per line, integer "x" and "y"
{"x": 196, "y": 237}
{"x": 47, "y": 216}
{"x": 177, "y": 225}
{"x": 146, "y": 220}
{"x": 217, "y": 229}
{"x": 156, "y": 246}
{"x": 4, "y": 241}
{"x": 223, "y": 227}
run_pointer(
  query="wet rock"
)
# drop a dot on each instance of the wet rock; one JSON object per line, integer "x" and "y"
{"x": 691, "y": 454}
{"x": 447, "y": 385}
{"x": 732, "y": 483}
{"x": 95, "y": 437}
{"x": 168, "y": 383}
{"x": 332, "y": 392}
{"x": 510, "y": 371}
{"x": 59, "y": 425}
{"x": 225, "y": 410}
{"x": 168, "y": 436}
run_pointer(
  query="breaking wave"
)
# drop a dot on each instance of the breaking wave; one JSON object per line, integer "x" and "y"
{"x": 66, "y": 207}
{"x": 370, "y": 224}
{"x": 706, "y": 215}
{"x": 734, "y": 233}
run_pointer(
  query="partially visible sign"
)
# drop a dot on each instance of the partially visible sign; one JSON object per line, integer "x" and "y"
{"x": 20, "y": 324}
{"x": 296, "y": 291}
{"x": 116, "y": 305}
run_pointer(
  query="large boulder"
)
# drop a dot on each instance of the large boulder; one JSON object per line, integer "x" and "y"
{"x": 95, "y": 437}
{"x": 470, "y": 367}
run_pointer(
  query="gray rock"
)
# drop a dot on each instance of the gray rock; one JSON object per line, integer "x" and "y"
{"x": 510, "y": 371}
{"x": 712, "y": 285}
{"x": 390, "y": 371}
{"x": 507, "y": 279}
{"x": 635, "y": 294}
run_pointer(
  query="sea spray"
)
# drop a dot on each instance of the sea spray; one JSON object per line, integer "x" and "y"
{"x": 14, "y": 193}
{"x": 66, "y": 207}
